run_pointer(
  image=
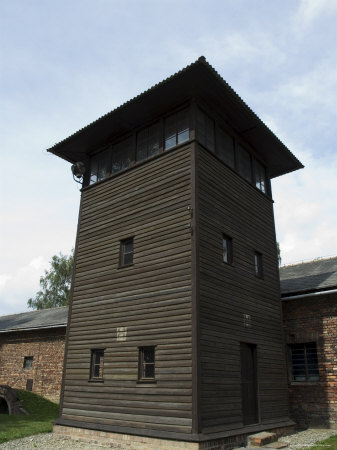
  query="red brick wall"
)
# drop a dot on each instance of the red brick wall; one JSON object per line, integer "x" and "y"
{"x": 314, "y": 320}
{"x": 47, "y": 348}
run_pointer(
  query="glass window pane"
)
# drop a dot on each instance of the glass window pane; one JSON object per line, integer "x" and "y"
{"x": 177, "y": 129}
{"x": 149, "y": 355}
{"x": 260, "y": 176}
{"x": 183, "y": 132}
{"x": 122, "y": 155}
{"x": 244, "y": 163}
{"x": 183, "y": 136}
{"x": 205, "y": 130}
{"x": 99, "y": 166}
{"x": 304, "y": 362}
{"x": 142, "y": 138}
{"x": 128, "y": 259}
{"x": 149, "y": 371}
{"x": 154, "y": 140}
{"x": 126, "y": 252}
{"x": 93, "y": 169}
{"x": 170, "y": 132}
{"x": 97, "y": 361}
{"x": 148, "y": 142}
{"x": 227, "y": 254}
{"x": 225, "y": 148}
{"x": 225, "y": 250}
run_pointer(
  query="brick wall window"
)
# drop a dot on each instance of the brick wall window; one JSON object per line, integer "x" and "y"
{"x": 303, "y": 360}
{"x": 29, "y": 384}
{"x": 96, "y": 366}
{"x": 28, "y": 362}
{"x": 146, "y": 368}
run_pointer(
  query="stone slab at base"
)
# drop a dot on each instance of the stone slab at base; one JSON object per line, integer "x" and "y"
{"x": 135, "y": 442}
{"x": 261, "y": 439}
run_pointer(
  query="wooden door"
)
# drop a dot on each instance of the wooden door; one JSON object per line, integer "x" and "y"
{"x": 249, "y": 383}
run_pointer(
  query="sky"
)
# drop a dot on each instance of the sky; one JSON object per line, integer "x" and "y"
{"x": 64, "y": 64}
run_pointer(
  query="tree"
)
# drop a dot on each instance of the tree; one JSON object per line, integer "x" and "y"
{"x": 55, "y": 284}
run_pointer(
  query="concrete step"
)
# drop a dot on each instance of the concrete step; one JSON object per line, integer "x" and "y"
{"x": 261, "y": 439}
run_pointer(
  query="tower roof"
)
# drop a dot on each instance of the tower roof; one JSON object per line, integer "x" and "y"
{"x": 198, "y": 80}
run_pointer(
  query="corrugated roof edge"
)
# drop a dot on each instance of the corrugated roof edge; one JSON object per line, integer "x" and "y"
{"x": 200, "y": 60}
{"x": 27, "y": 313}
{"x": 35, "y": 311}
{"x": 300, "y": 263}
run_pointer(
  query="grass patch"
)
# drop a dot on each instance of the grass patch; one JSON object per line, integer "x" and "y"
{"x": 41, "y": 411}
{"x": 329, "y": 444}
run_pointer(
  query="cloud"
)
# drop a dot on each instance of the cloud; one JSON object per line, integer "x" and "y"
{"x": 311, "y": 10}
{"x": 4, "y": 278}
{"x": 305, "y": 211}
{"x": 17, "y": 287}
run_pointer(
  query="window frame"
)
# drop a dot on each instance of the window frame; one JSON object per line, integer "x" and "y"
{"x": 175, "y": 119}
{"x": 229, "y": 249}
{"x": 258, "y": 264}
{"x": 122, "y": 253}
{"x": 291, "y": 348}
{"x": 27, "y": 365}
{"x": 142, "y": 378}
{"x": 93, "y": 364}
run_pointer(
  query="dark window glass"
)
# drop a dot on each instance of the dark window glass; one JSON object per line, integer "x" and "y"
{"x": 146, "y": 363}
{"x": 177, "y": 129}
{"x": 100, "y": 166}
{"x": 227, "y": 249}
{"x": 205, "y": 130}
{"x": 258, "y": 267}
{"x": 148, "y": 142}
{"x": 29, "y": 384}
{"x": 97, "y": 361}
{"x": 225, "y": 148}
{"x": 28, "y": 362}
{"x": 260, "y": 176}
{"x": 126, "y": 252}
{"x": 244, "y": 164}
{"x": 121, "y": 155}
{"x": 304, "y": 363}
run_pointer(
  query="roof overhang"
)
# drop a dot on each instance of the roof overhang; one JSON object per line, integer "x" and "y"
{"x": 44, "y": 327}
{"x": 198, "y": 80}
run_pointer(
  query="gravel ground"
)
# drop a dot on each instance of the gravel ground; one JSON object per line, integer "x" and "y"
{"x": 307, "y": 438}
{"x": 47, "y": 441}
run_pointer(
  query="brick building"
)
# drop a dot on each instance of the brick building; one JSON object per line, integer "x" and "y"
{"x": 32, "y": 351}
{"x": 309, "y": 300}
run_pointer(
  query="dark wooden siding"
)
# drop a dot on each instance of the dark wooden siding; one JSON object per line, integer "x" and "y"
{"x": 230, "y": 205}
{"x": 152, "y": 298}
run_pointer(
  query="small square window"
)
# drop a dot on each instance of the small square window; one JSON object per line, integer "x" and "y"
{"x": 96, "y": 366}
{"x": 28, "y": 362}
{"x": 227, "y": 249}
{"x": 29, "y": 384}
{"x": 146, "y": 368}
{"x": 258, "y": 266}
{"x": 304, "y": 363}
{"x": 126, "y": 252}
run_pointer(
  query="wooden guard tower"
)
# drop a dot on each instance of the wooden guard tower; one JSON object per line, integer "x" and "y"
{"x": 174, "y": 331}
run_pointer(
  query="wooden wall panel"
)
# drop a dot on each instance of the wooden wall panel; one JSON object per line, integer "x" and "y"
{"x": 151, "y": 298}
{"x": 230, "y": 205}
